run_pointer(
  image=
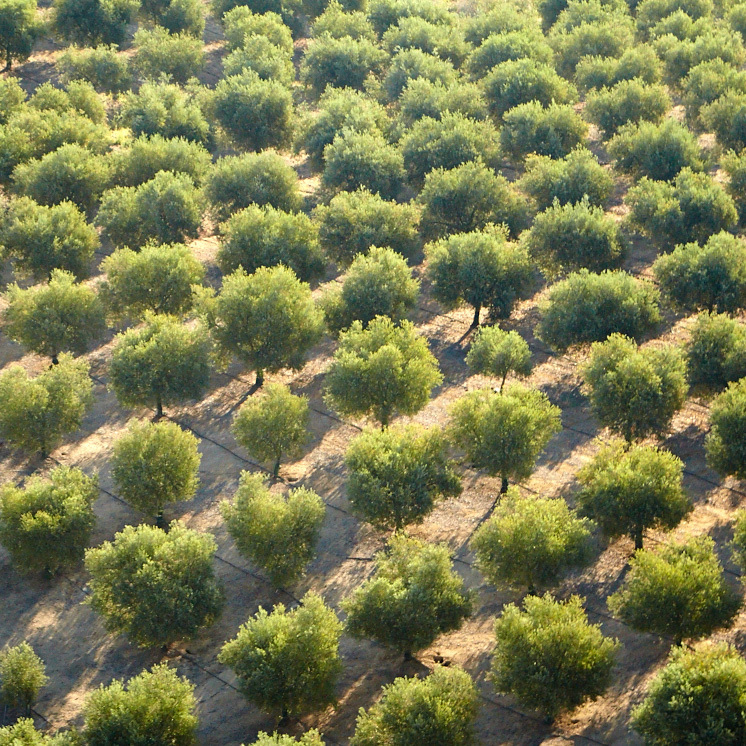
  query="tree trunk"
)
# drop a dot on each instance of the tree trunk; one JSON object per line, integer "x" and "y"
{"x": 159, "y": 522}
{"x": 276, "y": 469}
{"x": 502, "y": 383}
{"x": 158, "y": 408}
{"x": 475, "y": 320}
{"x": 259, "y": 378}
{"x": 55, "y": 360}
{"x": 504, "y": 486}
{"x": 637, "y": 536}
{"x": 284, "y": 717}
{"x": 408, "y": 655}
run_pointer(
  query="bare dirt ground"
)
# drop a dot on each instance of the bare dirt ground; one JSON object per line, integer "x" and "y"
{"x": 80, "y": 655}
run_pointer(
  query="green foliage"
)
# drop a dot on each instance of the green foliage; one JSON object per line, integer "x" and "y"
{"x": 439, "y": 39}
{"x": 166, "y": 209}
{"x": 345, "y": 109}
{"x": 162, "y": 363}
{"x": 424, "y": 98}
{"x": 38, "y": 412}
{"x": 710, "y": 277}
{"x": 413, "y": 597}
{"x": 568, "y": 180}
{"x": 337, "y": 23}
{"x": 19, "y": 29}
{"x": 635, "y": 392}
{"x": 164, "y": 109}
{"x": 630, "y": 102}
{"x": 158, "y": 52}
{"x": 46, "y": 525}
{"x": 241, "y": 23}
{"x": 353, "y": 222}
{"x": 273, "y": 425}
{"x": 554, "y": 130}
{"x": 504, "y": 433}
{"x": 410, "y": 64}
{"x": 157, "y": 587}
{"x": 441, "y": 708}
{"x": 726, "y": 442}
{"x": 548, "y": 655}
{"x": 155, "y": 464}
{"x": 499, "y": 48}
{"x": 254, "y": 113}
{"x": 652, "y": 12}
{"x": 61, "y": 316}
{"x": 265, "y": 237}
{"x": 627, "y": 489}
{"x": 466, "y": 199}
{"x": 697, "y": 698}
{"x": 12, "y": 98}
{"x": 735, "y": 166}
{"x": 726, "y": 117}
{"x": 386, "y": 13}
{"x": 500, "y": 19}
{"x": 481, "y": 269}
{"x": 531, "y": 541}
{"x": 586, "y": 307}
{"x": 283, "y": 10}
{"x": 23, "y": 733}
{"x": 678, "y": 592}
{"x": 448, "y": 142}
{"x": 707, "y": 82}
{"x": 716, "y": 350}
{"x": 22, "y": 675}
{"x": 102, "y": 67}
{"x": 381, "y": 370}
{"x": 609, "y": 37}
{"x": 576, "y": 236}
{"x": 309, "y": 738}
{"x": 397, "y": 475}
{"x": 377, "y": 284}
{"x": 640, "y": 62}
{"x": 692, "y": 208}
{"x": 680, "y": 57}
{"x": 656, "y": 151}
{"x": 184, "y": 16}
{"x": 154, "y": 707}
{"x": 357, "y": 160}
{"x": 92, "y": 22}
{"x": 278, "y": 533}
{"x": 158, "y": 278}
{"x": 259, "y": 55}
{"x": 268, "y": 320}
{"x": 288, "y": 661}
{"x": 238, "y": 181}
{"x": 340, "y": 63}
{"x": 496, "y": 352}
{"x": 78, "y": 96}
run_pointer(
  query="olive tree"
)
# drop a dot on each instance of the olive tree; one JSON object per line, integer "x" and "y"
{"x": 698, "y": 697}
{"x": 176, "y": 56}
{"x": 549, "y": 657}
{"x": 101, "y": 66}
{"x": 504, "y": 433}
{"x": 287, "y": 662}
{"x": 628, "y": 102}
{"x": 635, "y": 392}
{"x": 716, "y": 350}
{"x": 278, "y": 533}
{"x": 19, "y": 29}
{"x": 441, "y": 708}
{"x": 628, "y": 489}
{"x": 309, "y": 738}
{"x": 381, "y": 370}
{"x": 480, "y": 268}
{"x": 273, "y": 425}
{"x": 88, "y": 22}
{"x": 397, "y": 475}
{"x": 496, "y": 352}
{"x": 413, "y": 597}
{"x": 530, "y": 542}
{"x": 60, "y": 316}
{"x": 412, "y": 64}
{"x": 46, "y": 524}
{"x": 23, "y": 732}
{"x": 678, "y": 592}
{"x": 155, "y": 464}
{"x": 37, "y": 412}
{"x": 726, "y": 443}
{"x": 22, "y": 676}
{"x": 162, "y": 363}
{"x": 156, "y": 706}
{"x": 268, "y": 320}
{"x": 155, "y": 586}
{"x": 157, "y": 279}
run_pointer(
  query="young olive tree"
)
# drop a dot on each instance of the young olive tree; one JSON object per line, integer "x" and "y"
{"x": 726, "y": 441}
{"x": 23, "y": 732}
{"x": 398, "y": 474}
{"x": 19, "y": 29}
{"x": 61, "y": 316}
{"x": 268, "y": 320}
{"x": 287, "y": 662}
{"x": 162, "y": 363}
{"x": 413, "y": 597}
{"x": 381, "y": 370}
{"x": 309, "y": 738}
{"x": 155, "y": 586}
{"x": 22, "y": 676}
{"x": 38, "y": 412}
{"x": 155, "y": 464}
{"x": 531, "y": 542}
{"x": 89, "y": 22}
{"x": 273, "y": 425}
{"x": 628, "y": 489}
{"x": 629, "y": 103}
{"x": 156, "y": 706}
{"x": 101, "y": 66}
{"x": 549, "y": 657}
{"x": 635, "y": 392}
{"x": 678, "y": 592}
{"x": 482, "y": 269}
{"x": 178, "y": 57}
{"x": 46, "y": 524}
{"x": 278, "y": 533}
{"x": 504, "y": 433}
{"x": 496, "y": 352}
{"x": 716, "y": 351}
